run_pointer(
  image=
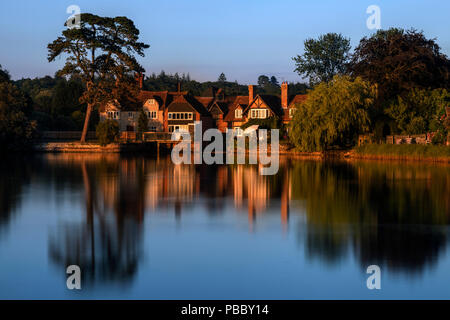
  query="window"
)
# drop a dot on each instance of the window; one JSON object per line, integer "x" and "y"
{"x": 258, "y": 113}
{"x": 113, "y": 115}
{"x": 152, "y": 102}
{"x": 180, "y": 115}
{"x": 238, "y": 113}
{"x": 130, "y": 115}
{"x": 151, "y": 114}
{"x": 178, "y": 128}
{"x": 153, "y": 128}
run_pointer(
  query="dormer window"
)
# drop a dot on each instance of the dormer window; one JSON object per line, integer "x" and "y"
{"x": 238, "y": 113}
{"x": 258, "y": 113}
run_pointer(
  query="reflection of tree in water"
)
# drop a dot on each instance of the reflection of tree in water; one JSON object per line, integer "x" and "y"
{"x": 390, "y": 214}
{"x": 107, "y": 245}
{"x": 14, "y": 174}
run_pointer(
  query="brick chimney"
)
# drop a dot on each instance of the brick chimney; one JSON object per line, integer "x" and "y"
{"x": 284, "y": 95}
{"x": 140, "y": 80}
{"x": 250, "y": 93}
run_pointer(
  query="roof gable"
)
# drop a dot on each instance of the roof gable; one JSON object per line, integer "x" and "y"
{"x": 273, "y": 103}
{"x": 297, "y": 99}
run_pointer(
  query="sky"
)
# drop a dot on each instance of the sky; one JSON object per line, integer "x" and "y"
{"x": 242, "y": 38}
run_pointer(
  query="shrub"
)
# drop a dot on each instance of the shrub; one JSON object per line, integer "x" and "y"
{"x": 142, "y": 125}
{"x": 107, "y": 132}
{"x": 439, "y": 138}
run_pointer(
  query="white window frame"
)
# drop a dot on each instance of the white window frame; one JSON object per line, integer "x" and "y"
{"x": 238, "y": 113}
{"x": 180, "y": 116}
{"x": 259, "y": 113}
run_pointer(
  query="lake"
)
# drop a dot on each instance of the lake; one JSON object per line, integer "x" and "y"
{"x": 141, "y": 228}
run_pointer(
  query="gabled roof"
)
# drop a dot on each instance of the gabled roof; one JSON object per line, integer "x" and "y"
{"x": 221, "y": 105}
{"x": 162, "y": 97}
{"x": 299, "y": 98}
{"x": 271, "y": 101}
{"x": 196, "y": 104}
{"x": 239, "y": 102}
{"x": 205, "y": 101}
{"x": 189, "y": 101}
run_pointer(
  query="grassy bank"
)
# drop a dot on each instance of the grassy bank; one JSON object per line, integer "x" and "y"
{"x": 403, "y": 151}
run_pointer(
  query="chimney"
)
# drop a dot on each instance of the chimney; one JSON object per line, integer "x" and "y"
{"x": 284, "y": 95}
{"x": 140, "y": 80}
{"x": 250, "y": 93}
{"x": 179, "y": 86}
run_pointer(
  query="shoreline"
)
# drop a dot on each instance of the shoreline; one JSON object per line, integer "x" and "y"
{"x": 352, "y": 154}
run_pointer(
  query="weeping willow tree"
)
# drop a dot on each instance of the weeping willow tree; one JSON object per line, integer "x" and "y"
{"x": 333, "y": 115}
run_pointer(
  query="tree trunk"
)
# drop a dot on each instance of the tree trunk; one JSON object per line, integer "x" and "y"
{"x": 86, "y": 123}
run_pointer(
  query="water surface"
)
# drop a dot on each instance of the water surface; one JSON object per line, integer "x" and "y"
{"x": 142, "y": 228}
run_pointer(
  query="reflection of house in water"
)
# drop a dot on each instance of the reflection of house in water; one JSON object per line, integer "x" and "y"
{"x": 249, "y": 185}
{"x": 168, "y": 184}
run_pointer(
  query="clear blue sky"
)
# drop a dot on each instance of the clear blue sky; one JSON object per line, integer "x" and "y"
{"x": 242, "y": 38}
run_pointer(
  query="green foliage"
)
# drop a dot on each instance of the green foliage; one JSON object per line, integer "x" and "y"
{"x": 268, "y": 85}
{"x": 16, "y": 130}
{"x": 323, "y": 58}
{"x": 334, "y": 114}
{"x": 419, "y": 111}
{"x": 142, "y": 125}
{"x": 404, "y": 150}
{"x": 439, "y": 138}
{"x": 107, "y": 132}
{"x": 399, "y": 61}
{"x": 4, "y": 75}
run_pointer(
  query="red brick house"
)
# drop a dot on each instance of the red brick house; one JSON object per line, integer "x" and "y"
{"x": 169, "y": 111}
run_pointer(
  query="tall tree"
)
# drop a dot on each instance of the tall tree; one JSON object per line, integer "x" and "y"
{"x": 274, "y": 81}
{"x": 323, "y": 58}
{"x": 222, "y": 77}
{"x": 101, "y": 52}
{"x": 4, "y": 74}
{"x": 398, "y": 61}
{"x": 263, "y": 81}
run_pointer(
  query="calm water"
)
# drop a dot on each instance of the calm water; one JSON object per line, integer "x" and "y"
{"x": 145, "y": 229}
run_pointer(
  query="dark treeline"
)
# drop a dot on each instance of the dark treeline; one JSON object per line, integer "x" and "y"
{"x": 55, "y": 101}
{"x": 164, "y": 81}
